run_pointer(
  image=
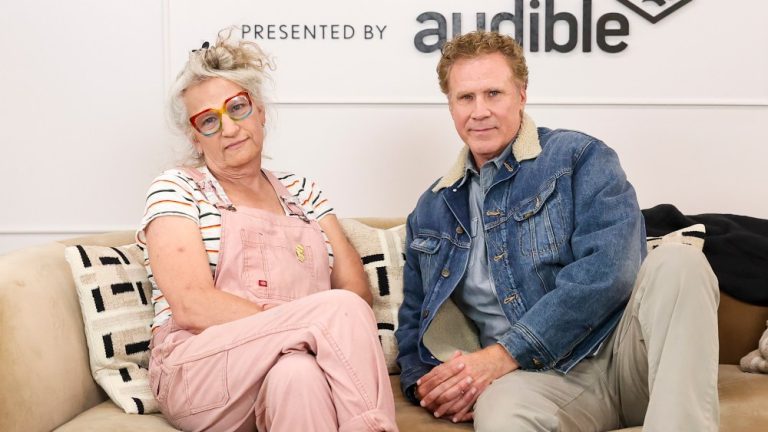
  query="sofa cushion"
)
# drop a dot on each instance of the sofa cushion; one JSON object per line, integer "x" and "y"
{"x": 116, "y": 307}
{"x": 743, "y": 400}
{"x": 381, "y": 251}
{"x": 108, "y": 417}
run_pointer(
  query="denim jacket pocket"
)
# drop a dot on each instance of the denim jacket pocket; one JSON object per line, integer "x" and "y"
{"x": 426, "y": 244}
{"x": 427, "y": 248}
{"x": 541, "y": 223}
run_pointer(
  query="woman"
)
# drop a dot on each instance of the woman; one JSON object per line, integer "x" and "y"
{"x": 261, "y": 321}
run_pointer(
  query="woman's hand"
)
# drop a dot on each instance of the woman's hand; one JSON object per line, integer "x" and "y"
{"x": 348, "y": 270}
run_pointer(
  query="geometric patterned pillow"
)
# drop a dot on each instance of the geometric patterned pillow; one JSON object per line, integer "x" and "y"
{"x": 381, "y": 251}
{"x": 692, "y": 235}
{"x": 115, "y": 301}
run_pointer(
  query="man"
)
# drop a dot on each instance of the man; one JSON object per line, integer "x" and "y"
{"x": 520, "y": 263}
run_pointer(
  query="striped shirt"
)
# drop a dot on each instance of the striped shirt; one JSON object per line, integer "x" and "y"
{"x": 174, "y": 193}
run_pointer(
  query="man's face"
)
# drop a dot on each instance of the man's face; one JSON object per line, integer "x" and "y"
{"x": 486, "y": 104}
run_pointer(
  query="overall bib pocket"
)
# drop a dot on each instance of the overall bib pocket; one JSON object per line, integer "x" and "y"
{"x": 266, "y": 256}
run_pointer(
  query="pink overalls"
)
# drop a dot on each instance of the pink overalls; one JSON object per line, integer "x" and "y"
{"x": 312, "y": 363}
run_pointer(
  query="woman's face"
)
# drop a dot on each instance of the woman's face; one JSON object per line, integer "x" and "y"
{"x": 238, "y": 142}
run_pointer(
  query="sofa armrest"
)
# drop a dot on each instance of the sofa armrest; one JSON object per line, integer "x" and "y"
{"x": 45, "y": 376}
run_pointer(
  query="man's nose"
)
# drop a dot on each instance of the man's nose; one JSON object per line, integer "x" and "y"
{"x": 480, "y": 109}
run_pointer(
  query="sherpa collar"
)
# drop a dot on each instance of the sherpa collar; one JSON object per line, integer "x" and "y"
{"x": 526, "y": 146}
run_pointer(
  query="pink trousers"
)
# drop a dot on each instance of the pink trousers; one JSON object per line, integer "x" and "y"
{"x": 313, "y": 364}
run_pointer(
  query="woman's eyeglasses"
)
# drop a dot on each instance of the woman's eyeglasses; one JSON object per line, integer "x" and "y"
{"x": 208, "y": 122}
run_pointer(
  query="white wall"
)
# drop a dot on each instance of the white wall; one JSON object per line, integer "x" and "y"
{"x": 82, "y": 85}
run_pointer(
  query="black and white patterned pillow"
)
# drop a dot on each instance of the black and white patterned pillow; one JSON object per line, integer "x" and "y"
{"x": 692, "y": 236}
{"x": 381, "y": 251}
{"x": 117, "y": 312}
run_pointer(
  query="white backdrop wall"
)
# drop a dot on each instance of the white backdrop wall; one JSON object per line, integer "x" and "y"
{"x": 83, "y": 83}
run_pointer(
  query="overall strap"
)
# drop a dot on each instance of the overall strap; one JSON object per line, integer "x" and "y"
{"x": 291, "y": 202}
{"x": 194, "y": 173}
{"x": 209, "y": 189}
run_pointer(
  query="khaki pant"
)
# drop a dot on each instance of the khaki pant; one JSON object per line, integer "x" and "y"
{"x": 658, "y": 369}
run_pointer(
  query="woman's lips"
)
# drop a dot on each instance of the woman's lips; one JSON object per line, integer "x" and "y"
{"x": 235, "y": 144}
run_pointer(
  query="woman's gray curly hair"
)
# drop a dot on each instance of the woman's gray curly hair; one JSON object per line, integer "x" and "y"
{"x": 241, "y": 62}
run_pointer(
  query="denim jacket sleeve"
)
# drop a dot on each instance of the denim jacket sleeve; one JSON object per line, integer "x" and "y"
{"x": 608, "y": 246}
{"x": 407, "y": 334}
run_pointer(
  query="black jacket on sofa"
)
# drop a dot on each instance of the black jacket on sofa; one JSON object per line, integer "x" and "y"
{"x": 736, "y": 247}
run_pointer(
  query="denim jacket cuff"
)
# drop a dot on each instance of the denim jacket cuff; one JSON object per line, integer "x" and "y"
{"x": 526, "y": 349}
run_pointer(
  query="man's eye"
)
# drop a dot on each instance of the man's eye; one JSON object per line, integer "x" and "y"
{"x": 465, "y": 97}
{"x": 494, "y": 93}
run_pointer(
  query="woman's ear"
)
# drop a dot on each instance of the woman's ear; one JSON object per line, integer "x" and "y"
{"x": 196, "y": 143}
{"x": 261, "y": 112}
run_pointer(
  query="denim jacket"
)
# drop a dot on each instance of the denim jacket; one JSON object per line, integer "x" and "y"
{"x": 565, "y": 239}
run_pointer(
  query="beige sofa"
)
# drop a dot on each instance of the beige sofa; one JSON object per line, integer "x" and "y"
{"x": 46, "y": 384}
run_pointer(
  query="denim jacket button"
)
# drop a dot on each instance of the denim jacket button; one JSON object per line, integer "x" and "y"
{"x": 509, "y": 300}
{"x": 459, "y": 230}
{"x": 425, "y": 313}
{"x": 537, "y": 363}
{"x": 445, "y": 273}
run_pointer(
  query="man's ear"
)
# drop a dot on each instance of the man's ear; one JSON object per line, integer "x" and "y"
{"x": 523, "y": 95}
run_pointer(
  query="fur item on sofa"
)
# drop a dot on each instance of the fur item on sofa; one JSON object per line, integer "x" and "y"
{"x": 757, "y": 360}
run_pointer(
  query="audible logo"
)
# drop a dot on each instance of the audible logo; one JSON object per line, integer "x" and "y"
{"x": 610, "y": 29}
{"x": 654, "y": 10}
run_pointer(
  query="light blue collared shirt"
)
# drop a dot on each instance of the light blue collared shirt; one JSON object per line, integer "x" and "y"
{"x": 476, "y": 294}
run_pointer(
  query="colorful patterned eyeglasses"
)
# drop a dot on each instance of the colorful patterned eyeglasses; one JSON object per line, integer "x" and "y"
{"x": 208, "y": 122}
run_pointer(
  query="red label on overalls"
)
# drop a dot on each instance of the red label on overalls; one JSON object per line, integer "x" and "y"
{"x": 262, "y": 283}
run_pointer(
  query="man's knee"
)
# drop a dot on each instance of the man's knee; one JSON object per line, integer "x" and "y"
{"x": 676, "y": 257}
{"x": 681, "y": 269}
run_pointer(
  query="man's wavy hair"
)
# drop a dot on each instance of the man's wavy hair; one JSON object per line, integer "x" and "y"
{"x": 478, "y": 43}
